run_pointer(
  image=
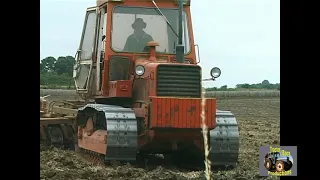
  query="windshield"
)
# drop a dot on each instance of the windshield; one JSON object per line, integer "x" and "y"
{"x": 276, "y": 154}
{"x": 134, "y": 27}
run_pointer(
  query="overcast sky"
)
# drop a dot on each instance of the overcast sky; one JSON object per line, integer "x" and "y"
{"x": 241, "y": 37}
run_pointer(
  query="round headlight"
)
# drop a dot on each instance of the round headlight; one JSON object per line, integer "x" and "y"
{"x": 139, "y": 70}
{"x": 215, "y": 72}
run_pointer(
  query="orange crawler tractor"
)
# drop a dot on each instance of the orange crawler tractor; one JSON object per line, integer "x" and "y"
{"x": 137, "y": 71}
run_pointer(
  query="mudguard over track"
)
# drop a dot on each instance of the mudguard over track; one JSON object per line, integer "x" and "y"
{"x": 121, "y": 129}
{"x": 224, "y": 140}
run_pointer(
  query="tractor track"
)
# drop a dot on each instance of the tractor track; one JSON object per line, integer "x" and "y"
{"x": 255, "y": 117}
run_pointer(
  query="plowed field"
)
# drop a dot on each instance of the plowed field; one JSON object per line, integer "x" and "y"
{"x": 259, "y": 124}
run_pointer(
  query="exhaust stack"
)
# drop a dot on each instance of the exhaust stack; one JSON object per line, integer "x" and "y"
{"x": 180, "y": 46}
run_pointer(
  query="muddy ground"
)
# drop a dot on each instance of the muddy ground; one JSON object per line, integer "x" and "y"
{"x": 259, "y": 124}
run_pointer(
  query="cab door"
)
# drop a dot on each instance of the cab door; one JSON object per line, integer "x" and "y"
{"x": 84, "y": 57}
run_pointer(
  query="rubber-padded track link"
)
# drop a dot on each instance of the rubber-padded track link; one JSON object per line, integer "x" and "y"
{"x": 224, "y": 140}
{"x": 122, "y": 134}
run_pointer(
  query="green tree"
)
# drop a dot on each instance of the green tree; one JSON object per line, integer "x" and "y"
{"x": 56, "y": 72}
{"x": 244, "y": 86}
{"x": 42, "y": 67}
{"x": 64, "y": 65}
{"x": 212, "y": 89}
{"x": 53, "y": 79}
{"x": 265, "y": 82}
{"x": 224, "y": 87}
{"x": 48, "y": 64}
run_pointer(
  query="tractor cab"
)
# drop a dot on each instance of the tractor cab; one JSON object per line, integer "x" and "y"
{"x": 274, "y": 156}
{"x": 118, "y": 33}
{"x": 133, "y": 27}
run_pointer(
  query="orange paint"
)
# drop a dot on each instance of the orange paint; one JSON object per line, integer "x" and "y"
{"x": 180, "y": 113}
{"x": 96, "y": 142}
{"x": 121, "y": 88}
{"x": 132, "y": 56}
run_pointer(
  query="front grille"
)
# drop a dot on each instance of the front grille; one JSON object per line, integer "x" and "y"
{"x": 179, "y": 81}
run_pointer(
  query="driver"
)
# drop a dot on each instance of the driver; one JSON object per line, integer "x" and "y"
{"x": 137, "y": 41}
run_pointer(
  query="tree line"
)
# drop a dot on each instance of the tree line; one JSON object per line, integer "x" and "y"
{"x": 264, "y": 85}
{"x": 57, "y": 73}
